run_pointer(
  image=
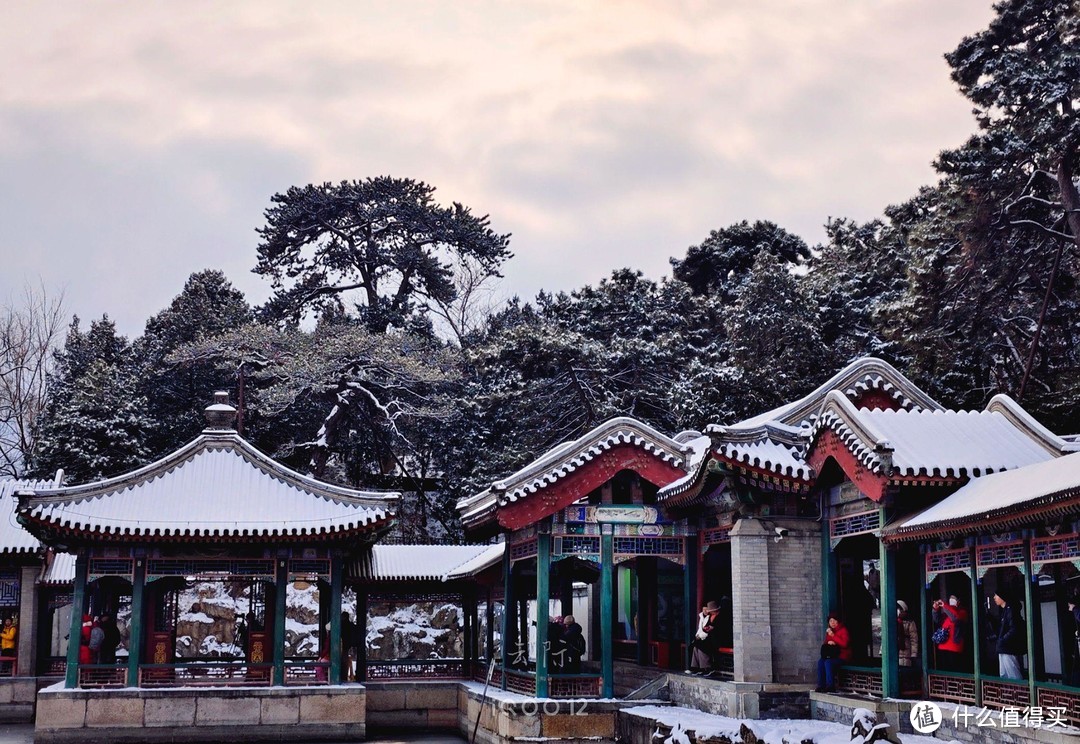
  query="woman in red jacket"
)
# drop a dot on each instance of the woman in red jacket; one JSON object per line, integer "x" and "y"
{"x": 953, "y": 619}
{"x": 835, "y": 650}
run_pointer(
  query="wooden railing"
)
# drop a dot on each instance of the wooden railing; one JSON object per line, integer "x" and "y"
{"x": 9, "y": 666}
{"x": 205, "y": 674}
{"x": 415, "y": 669}
{"x": 101, "y": 676}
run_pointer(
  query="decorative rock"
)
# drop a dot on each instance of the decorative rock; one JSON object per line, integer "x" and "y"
{"x": 866, "y": 729}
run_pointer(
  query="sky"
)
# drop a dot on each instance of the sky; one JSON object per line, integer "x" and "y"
{"x": 142, "y": 141}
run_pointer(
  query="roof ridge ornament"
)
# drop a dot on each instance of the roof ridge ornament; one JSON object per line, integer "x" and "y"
{"x": 220, "y": 416}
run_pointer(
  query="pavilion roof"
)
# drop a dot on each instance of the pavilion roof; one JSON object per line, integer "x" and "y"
{"x": 951, "y": 444}
{"x": 14, "y": 538}
{"x": 218, "y": 486}
{"x": 682, "y": 452}
{"x": 425, "y": 562}
{"x": 997, "y": 499}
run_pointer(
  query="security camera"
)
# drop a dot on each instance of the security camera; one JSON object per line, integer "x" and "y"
{"x": 781, "y": 532}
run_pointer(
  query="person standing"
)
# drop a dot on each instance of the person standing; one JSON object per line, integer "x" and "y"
{"x": 706, "y": 640}
{"x": 835, "y": 650}
{"x": 97, "y": 638}
{"x": 907, "y": 636}
{"x": 1011, "y": 640}
{"x": 110, "y": 639}
{"x": 952, "y": 618}
{"x": 7, "y": 643}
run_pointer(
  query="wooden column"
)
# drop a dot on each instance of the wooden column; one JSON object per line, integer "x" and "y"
{"x": 607, "y": 592}
{"x": 280, "y": 588}
{"x": 490, "y": 640}
{"x": 337, "y": 583}
{"x": 543, "y": 604}
{"x": 508, "y": 609}
{"x": 1029, "y": 617}
{"x": 690, "y": 600}
{"x": 78, "y": 599}
{"x": 829, "y": 591}
{"x": 890, "y": 659}
{"x": 138, "y": 619}
{"x": 926, "y": 625}
{"x": 468, "y": 610}
{"x": 976, "y": 627}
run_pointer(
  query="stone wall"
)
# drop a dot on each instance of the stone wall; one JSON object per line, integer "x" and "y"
{"x": 17, "y": 699}
{"x": 412, "y": 705}
{"x": 738, "y": 699}
{"x": 192, "y": 714}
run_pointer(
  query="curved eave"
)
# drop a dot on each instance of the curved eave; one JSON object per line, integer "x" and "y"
{"x": 50, "y": 531}
{"x": 214, "y": 440}
{"x": 1053, "y": 505}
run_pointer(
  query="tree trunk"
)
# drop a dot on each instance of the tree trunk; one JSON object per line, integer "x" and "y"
{"x": 1070, "y": 198}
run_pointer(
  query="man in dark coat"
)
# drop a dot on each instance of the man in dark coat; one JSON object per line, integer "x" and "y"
{"x": 574, "y": 644}
{"x": 1011, "y": 640}
{"x": 110, "y": 639}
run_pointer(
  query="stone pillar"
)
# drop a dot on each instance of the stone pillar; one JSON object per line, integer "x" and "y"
{"x": 750, "y": 601}
{"x": 607, "y": 592}
{"x": 28, "y": 617}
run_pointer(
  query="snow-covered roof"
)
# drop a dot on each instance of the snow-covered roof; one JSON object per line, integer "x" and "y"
{"x": 13, "y": 536}
{"x": 61, "y": 571}
{"x": 567, "y": 457}
{"x": 858, "y": 378}
{"x": 425, "y": 562}
{"x": 217, "y": 486}
{"x": 994, "y": 497}
{"x": 953, "y": 444}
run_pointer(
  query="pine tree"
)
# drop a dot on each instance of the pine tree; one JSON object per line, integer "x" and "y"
{"x": 96, "y": 423}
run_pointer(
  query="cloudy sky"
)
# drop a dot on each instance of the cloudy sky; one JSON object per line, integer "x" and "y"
{"x": 141, "y": 141}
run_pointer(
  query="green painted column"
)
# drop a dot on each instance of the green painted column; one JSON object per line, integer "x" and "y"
{"x": 138, "y": 619}
{"x": 337, "y": 584}
{"x": 690, "y": 600}
{"x": 926, "y": 625}
{"x": 490, "y": 610}
{"x": 607, "y": 593}
{"x": 508, "y": 608}
{"x": 280, "y": 587}
{"x": 543, "y": 605}
{"x": 78, "y": 599}
{"x": 890, "y": 659}
{"x": 1029, "y": 618}
{"x": 829, "y": 591}
{"x": 975, "y": 623}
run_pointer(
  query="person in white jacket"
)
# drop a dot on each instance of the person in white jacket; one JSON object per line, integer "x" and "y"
{"x": 705, "y": 643}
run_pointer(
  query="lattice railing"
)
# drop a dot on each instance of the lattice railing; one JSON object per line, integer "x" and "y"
{"x": 997, "y": 693}
{"x": 715, "y": 536}
{"x": 860, "y": 681}
{"x": 952, "y": 689}
{"x": 424, "y": 669}
{"x": 100, "y": 567}
{"x": 523, "y": 683}
{"x": 1067, "y": 700}
{"x": 576, "y": 545}
{"x": 525, "y": 549}
{"x": 260, "y": 568}
{"x": 100, "y": 676}
{"x": 307, "y": 672}
{"x": 573, "y": 685}
{"x": 204, "y": 674}
{"x": 9, "y": 666}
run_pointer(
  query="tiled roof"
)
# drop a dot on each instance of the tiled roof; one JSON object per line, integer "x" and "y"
{"x": 566, "y": 458}
{"x": 952, "y": 444}
{"x": 992, "y": 497}
{"x": 61, "y": 571}
{"x": 425, "y": 562}
{"x": 13, "y": 536}
{"x": 216, "y": 486}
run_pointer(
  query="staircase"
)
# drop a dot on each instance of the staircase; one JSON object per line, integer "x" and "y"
{"x": 630, "y": 678}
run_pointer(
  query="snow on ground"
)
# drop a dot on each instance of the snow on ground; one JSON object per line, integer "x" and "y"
{"x": 780, "y": 731}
